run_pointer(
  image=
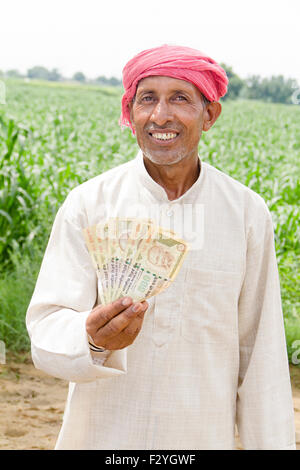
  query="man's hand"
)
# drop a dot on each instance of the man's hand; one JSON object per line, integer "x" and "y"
{"x": 116, "y": 325}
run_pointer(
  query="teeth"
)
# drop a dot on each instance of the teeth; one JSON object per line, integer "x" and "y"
{"x": 164, "y": 136}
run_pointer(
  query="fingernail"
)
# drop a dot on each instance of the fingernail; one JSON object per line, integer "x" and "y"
{"x": 126, "y": 302}
{"x": 136, "y": 308}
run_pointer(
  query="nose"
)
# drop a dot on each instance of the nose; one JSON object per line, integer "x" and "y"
{"x": 161, "y": 113}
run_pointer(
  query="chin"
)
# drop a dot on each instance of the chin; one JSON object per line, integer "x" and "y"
{"x": 163, "y": 158}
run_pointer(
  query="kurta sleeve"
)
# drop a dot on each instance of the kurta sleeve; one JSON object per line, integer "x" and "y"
{"x": 64, "y": 295}
{"x": 265, "y": 417}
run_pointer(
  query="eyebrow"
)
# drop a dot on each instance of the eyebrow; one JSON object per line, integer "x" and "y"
{"x": 149, "y": 90}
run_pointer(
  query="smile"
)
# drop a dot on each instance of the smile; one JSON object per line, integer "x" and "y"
{"x": 168, "y": 136}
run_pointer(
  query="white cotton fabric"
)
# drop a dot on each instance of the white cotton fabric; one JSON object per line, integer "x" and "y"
{"x": 212, "y": 350}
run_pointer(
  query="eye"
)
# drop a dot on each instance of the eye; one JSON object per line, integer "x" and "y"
{"x": 180, "y": 98}
{"x": 147, "y": 98}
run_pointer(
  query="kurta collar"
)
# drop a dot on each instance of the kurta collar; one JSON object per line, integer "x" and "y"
{"x": 158, "y": 193}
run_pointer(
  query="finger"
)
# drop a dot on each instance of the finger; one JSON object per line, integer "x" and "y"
{"x": 102, "y": 314}
{"x": 126, "y": 336}
{"x": 145, "y": 305}
{"x": 117, "y": 324}
{"x": 134, "y": 327}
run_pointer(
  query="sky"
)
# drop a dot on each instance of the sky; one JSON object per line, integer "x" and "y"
{"x": 98, "y": 37}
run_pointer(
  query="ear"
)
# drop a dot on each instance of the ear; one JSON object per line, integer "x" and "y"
{"x": 211, "y": 114}
{"x": 130, "y": 107}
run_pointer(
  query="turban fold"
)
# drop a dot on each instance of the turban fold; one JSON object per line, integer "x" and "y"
{"x": 178, "y": 62}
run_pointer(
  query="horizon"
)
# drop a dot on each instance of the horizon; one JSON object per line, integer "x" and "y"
{"x": 253, "y": 38}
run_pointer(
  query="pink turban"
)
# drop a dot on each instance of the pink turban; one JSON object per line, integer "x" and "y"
{"x": 178, "y": 62}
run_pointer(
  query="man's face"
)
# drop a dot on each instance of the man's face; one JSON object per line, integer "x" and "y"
{"x": 168, "y": 116}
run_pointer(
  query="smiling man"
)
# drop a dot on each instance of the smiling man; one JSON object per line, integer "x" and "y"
{"x": 168, "y": 116}
{"x": 181, "y": 370}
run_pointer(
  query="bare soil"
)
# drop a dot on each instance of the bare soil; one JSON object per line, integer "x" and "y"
{"x": 32, "y": 405}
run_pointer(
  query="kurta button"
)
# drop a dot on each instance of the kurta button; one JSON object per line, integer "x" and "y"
{"x": 169, "y": 212}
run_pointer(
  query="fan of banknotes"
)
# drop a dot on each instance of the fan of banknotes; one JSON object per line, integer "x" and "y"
{"x": 133, "y": 257}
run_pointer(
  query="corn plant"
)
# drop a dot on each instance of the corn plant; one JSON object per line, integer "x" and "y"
{"x": 54, "y": 136}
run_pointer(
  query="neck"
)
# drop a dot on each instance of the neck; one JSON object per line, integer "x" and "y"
{"x": 175, "y": 179}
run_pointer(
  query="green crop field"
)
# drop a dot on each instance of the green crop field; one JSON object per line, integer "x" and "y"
{"x": 53, "y": 137}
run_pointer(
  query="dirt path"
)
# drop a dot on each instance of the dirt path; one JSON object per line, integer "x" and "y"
{"x": 32, "y": 405}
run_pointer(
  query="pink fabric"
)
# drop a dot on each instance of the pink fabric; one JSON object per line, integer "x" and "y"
{"x": 178, "y": 62}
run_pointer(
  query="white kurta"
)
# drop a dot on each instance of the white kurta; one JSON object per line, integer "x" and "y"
{"x": 211, "y": 352}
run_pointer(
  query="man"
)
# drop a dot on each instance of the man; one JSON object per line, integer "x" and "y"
{"x": 178, "y": 371}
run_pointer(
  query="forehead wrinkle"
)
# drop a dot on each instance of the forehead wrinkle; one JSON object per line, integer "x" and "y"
{"x": 175, "y": 90}
{"x": 191, "y": 91}
{"x": 176, "y": 85}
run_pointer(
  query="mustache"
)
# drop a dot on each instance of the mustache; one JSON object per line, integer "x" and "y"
{"x": 161, "y": 128}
